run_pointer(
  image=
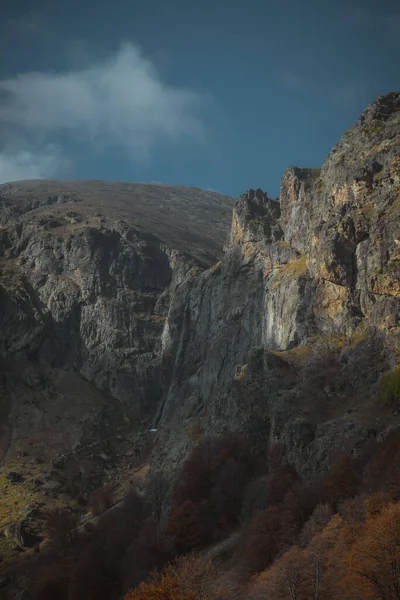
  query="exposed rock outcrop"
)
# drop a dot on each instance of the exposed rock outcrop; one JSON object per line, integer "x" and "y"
{"x": 280, "y": 338}
{"x": 305, "y": 285}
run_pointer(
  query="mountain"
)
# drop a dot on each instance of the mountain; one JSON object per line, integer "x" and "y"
{"x": 191, "y": 220}
{"x": 133, "y": 326}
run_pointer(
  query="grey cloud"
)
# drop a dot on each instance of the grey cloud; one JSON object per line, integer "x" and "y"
{"x": 23, "y": 164}
{"x": 122, "y": 103}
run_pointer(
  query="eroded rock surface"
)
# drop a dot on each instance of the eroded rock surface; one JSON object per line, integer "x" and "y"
{"x": 283, "y": 336}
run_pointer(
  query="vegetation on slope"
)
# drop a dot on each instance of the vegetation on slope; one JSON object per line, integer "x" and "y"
{"x": 281, "y": 537}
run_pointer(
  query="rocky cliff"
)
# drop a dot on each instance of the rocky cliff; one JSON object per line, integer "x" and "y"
{"x": 287, "y": 337}
{"x": 87, "y": 271}
{"x": 284, "y": 336}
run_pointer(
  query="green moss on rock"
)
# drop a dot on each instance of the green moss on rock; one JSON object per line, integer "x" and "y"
{"x": 389, "y": 386}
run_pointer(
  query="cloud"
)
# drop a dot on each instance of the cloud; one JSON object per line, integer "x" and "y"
{"x": 122, "y": 104}
{"x": 23, "y": 164}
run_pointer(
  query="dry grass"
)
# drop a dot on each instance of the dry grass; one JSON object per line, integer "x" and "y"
{"x": 216, "y": 266}
{"x": 358, "y": 335}
{"x": 19, "y": 499}
{"x": 292, "y": 270}
{"x": 295, "y": 268}
{"x": 193, "y": 220}
{"x": 241, "y": 375}
{"x": 298, "y": 355}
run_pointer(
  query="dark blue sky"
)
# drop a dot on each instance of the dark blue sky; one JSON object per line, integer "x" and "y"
{"x": 215, "y": 94}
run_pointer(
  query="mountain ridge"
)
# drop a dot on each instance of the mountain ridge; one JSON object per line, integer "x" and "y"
{"x": 285, "y": 339}
{"x": 156, "y": 209}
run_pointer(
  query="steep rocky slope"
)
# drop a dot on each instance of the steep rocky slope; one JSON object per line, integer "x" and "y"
{"x": 86, "y": 273}
{"x": 285, "y": 338}
{"x": 90, "y": 290}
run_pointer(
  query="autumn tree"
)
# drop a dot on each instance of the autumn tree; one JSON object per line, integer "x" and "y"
{"x": 374, "y": 560}
{"x": 281, "y": 482}
{"x": 320, "y": 517}
{"x": 285, "y": 579}
{"x": 318, "y": 568}
{"x": 189, "y": 526}
{"x": 61, "y": 530}
{"x": 260, "y": 541}
{"x": 381, "y": 472}
{"x": 207, "y": 499}
{"x": 101, "y": 500}
{"x": 151, "y": 549}
{"x": 50, "y": 581}
{"x": 190, "y": 578}
{"x": 165, "y": 587}
{"x": 342, "y": 480}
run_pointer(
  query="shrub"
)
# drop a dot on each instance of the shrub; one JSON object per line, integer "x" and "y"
{"x": 381, "y": 473}
{"x": 260, "y": 541}
{"x": 61, "y": 529}
{"x": 389, "y": 386}
{"x": 201, "y": 470}
{"x": 150, "y": 550}
{"x": 207, "y": 500}
{"x": 281, "y": 482}
{"x": 189, "y": 526}
{"x": 50, "y": 582}
{"x": 165, "y": 587}
{"x": 342, "y": 480}
{"x": 101, "y": 500}
{"x": 190, "y": 578}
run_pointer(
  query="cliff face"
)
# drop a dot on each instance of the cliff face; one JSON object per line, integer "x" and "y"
{"x": 287, "y": 336}
{"x": 84, "y": 294}
{"x": 284, "y": 338}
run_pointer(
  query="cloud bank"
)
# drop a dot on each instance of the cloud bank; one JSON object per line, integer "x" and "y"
{"x": 120, "y": 104}
{"x": 23, "y": 164}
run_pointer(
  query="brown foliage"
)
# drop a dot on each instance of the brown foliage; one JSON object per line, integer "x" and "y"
{"x": 274, "y": 529}
{"x": 382, "y": 470}
{"x": 320, "y": 517}
{"x": 164, "y": 588}
{"x": 285, "y": 579}
{"x": 51, "y": 581}
{"x": 151, "y": 549}
{"x": 260, "y": 541}
{"x": 61, "y": 530}
{"x": 374, "y": 560}
{"x": 200, "y": 471}
{"x": 206, "y": 502}
{"x": 97, "y": 574}
{"x": 101, "y": 500}
{"x": 342, "y": 480}
{"x": 281, "y": 482}
{"x": 189, "y": 526}
{"x": 93, "y": 579}
{"x": 190, "y": 578}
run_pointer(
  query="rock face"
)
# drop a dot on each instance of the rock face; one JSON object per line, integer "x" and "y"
{"x": 90, "y": 291}
{"x": 284, "y": 338}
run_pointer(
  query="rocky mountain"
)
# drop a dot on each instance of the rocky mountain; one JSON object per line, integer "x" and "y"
{"x": 287, "y": 337}
{"x": 133, "y": 325}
